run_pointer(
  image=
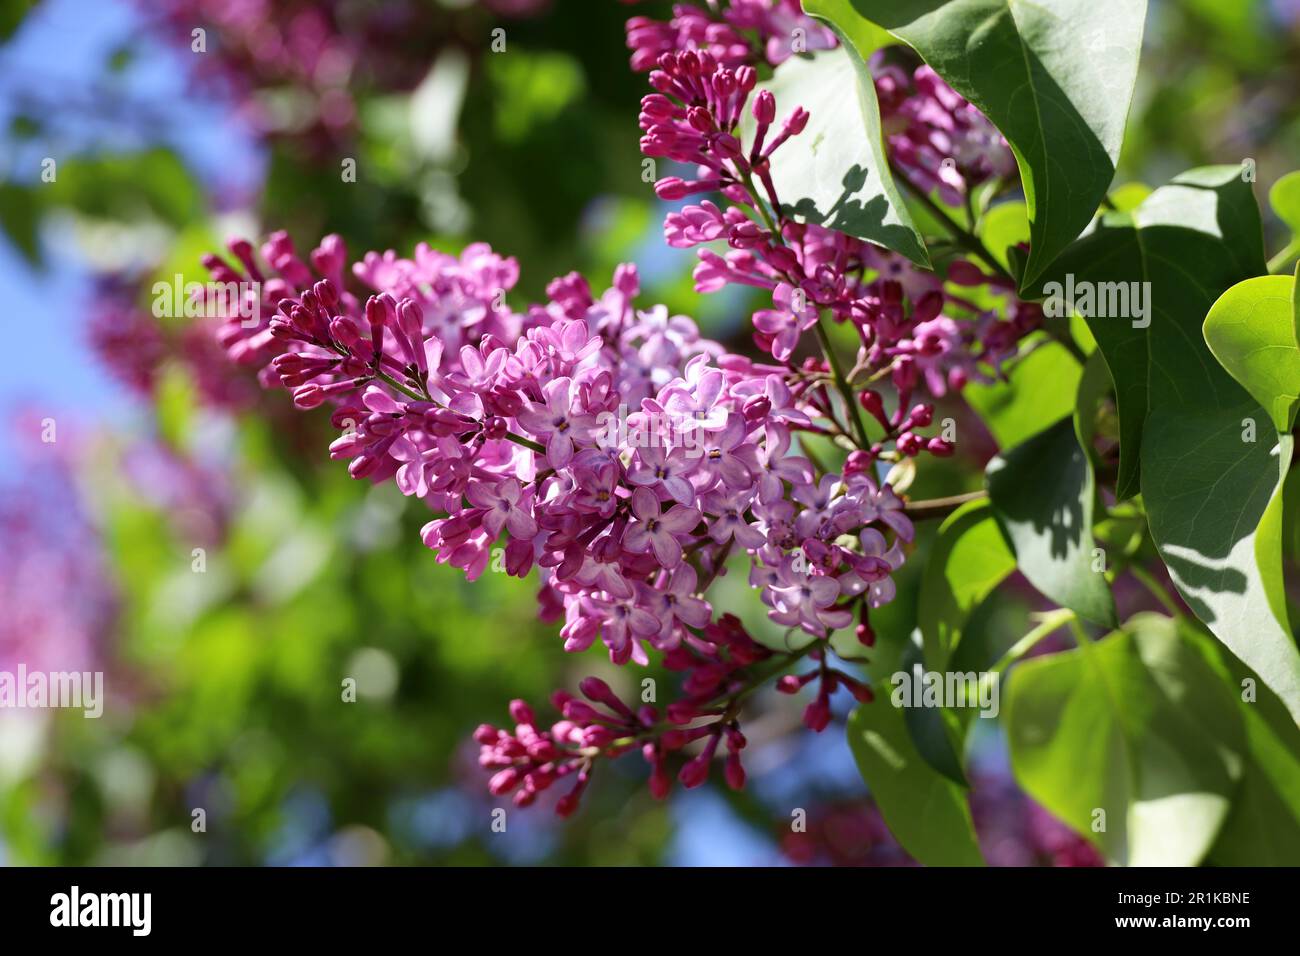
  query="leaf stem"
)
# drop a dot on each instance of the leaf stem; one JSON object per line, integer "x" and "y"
{"x": 940, "y": 507}
{"x": 851, "y": 406}
{"x": 1049, "y": 623}
{"x": 1147, "y": 580}
{"x": 1278, "y": 264}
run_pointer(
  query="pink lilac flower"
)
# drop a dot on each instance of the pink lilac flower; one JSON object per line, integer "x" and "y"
{"x": 935, "y": 135}
{"x": 498, "y": 418}
{"x": 502, "y": 437}
{"x": 908, "y": 324}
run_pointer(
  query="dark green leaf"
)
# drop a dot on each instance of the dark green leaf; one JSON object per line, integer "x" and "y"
{"x": 1042, "y": 495}
{"x": 1192, "y": 240}
{"x": 1055, "y": 76}
{"x": 925, "y": 811}
{"x": 1214, "y": 503}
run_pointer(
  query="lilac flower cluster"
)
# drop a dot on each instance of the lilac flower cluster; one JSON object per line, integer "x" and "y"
{"x": 616, "y": 450}
{"x": 136, "y": 347}
{"x": 620, "y": 453}
{"x": 909, "y": 325}
{"x": 935, "y": 135}
{"x": 744, "y": 32}
{"x": 1012, "y": 829}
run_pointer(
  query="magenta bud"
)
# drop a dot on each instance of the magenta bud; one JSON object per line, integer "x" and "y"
{"x": 581, "y": 711}
{"x": 765, "y": 107}
{"x": 328, "y": 295}
{"x": 858, "y": 462}
{"x": 308, "y": 396}
{"x": 345, "y": 331}
{"x": 734, "y": 772}
{"x": 746, "y": 235}
{"x": 921, "y": 415}
{"x": 817, "y": 715}
{"x": 503, "y": 782}
{"x": 521, "y": 713}
{"x": 671, "y": 187}
{"x": 910, "y": 443}
{"x": 593, "y": 688}
{"x": 696, "y": 771}
{"x": 660, "y": 782}
{"x": 962, "y": 272}
{"x": 796, "y": 121}
{"x": 928, "y": 307}
{"x": 411, "y": 316}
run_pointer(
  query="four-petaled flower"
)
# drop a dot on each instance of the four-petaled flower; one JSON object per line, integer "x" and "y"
{"x": 657, "y": 531}
{"x": 557, "y": 422}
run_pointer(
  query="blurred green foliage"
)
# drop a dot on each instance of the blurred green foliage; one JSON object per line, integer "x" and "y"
{"x": 226, "y": 685}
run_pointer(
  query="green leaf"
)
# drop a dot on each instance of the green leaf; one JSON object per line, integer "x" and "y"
{"x": 1264, "y": 824}
{"x": 1191, "y": 240}
{"x": 1093, "y": 389}
{"x": 929, "y": 727}
{"x": 1039, "y": 390}
{"x": 925, "y": 811}
{"x": 12, "y": 16}
{"x": 1128, "y": 197}
{"x": 834, "y": 173}
{"x": 1002, "y": 227}
{"x": 1138, "y": 726}
{"x": 1251, "y": 331}
{"x": 1210, "y": 484}
{"x": 1042, "y": 494}
{"x": 969, "y": 559}
{"x": 1284, "y": 197}
{"x": 1055, "y": 76}
{"x": 129, "y": 186}
{"x": 1214, "y": 504}
{"x": 20, "y": 218}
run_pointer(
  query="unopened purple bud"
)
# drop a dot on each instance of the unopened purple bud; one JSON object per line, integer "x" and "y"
{"x": 671, "y": 187}
{"x": 328, "y": 295}
{"x": 308, "y": 396}
{"x": 796, "y": 121}
{"x": 345, "y": 332}
{"x": 521, "y": 713}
